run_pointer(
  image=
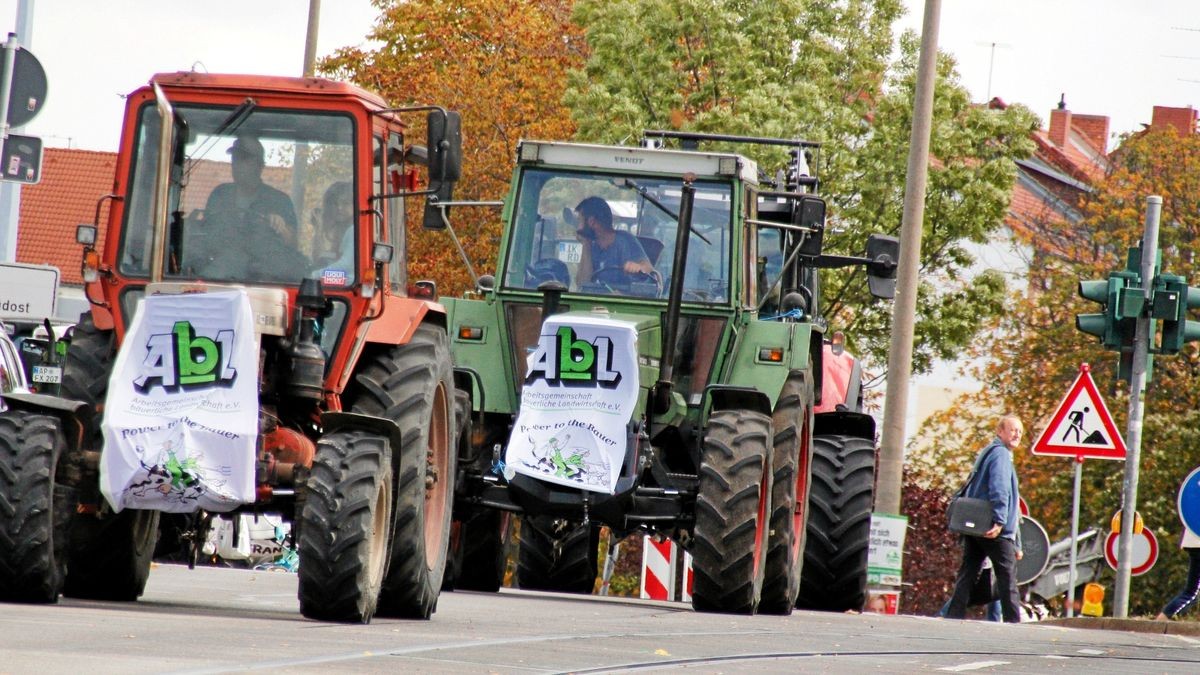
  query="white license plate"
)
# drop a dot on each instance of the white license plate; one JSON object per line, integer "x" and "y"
{"x": 47, "y": 374}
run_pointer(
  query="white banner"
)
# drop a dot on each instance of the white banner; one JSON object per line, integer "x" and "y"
{"x": 181, "y": 418}
{"x": 580, "y": 392}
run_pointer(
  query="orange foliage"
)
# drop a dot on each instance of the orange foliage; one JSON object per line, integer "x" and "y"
{"x": 502, "y": 64}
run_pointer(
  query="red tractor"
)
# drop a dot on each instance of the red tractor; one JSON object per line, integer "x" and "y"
{"x": 285, "y": 195}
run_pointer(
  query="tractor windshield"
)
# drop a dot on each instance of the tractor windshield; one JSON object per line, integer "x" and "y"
{"x": 255, "y": 196}
{"x": 607, "y": 234}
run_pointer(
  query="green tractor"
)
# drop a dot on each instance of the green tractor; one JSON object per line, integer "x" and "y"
{"x": 648, "y": 357}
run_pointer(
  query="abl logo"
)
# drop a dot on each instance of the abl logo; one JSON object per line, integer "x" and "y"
{"x": 181, "y": 360}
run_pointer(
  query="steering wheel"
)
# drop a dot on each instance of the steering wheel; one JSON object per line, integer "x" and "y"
{"x": 617, "y": 279}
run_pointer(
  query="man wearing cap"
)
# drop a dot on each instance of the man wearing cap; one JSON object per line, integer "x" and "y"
{"x": 250, "y": 208}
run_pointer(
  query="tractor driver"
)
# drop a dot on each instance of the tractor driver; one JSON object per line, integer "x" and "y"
{"x": 258, "y": 216}
{"x": 609, "y": 255}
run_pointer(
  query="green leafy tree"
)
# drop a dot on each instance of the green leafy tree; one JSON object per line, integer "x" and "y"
{"x": 820, "y": 71}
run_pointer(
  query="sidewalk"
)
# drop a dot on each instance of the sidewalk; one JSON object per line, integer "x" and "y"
{"x": 1128, "y": 625}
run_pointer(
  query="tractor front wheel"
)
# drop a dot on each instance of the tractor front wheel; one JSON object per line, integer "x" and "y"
{"x": 32, "y": 520}
{"x": 110, "y": 554}
{"x": 732, "y": 508}
{"x": 344, "y": 527}
{"x": 477, "y": 551}
{"x": 557, "y": 555}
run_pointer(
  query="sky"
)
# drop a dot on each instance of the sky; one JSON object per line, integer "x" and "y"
{"x": 1108, "y": 58}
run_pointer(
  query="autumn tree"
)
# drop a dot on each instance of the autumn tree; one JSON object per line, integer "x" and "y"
{"x": 502, "y": 64}
{"x": 824, "y": 72}
{"x": 1036, "y": 353}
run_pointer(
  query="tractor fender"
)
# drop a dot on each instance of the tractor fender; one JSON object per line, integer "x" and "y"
{"x": 730, "y": 397}
{"x": 69, "y": 411}
{"x": 337, "y": 421}
{"x": 102, "y": 317}
{"x": 400, "y": 320}
{"x": 844, "y": 423}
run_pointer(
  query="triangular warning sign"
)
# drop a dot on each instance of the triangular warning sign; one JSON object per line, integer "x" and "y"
{"x": 1082, "y": 426}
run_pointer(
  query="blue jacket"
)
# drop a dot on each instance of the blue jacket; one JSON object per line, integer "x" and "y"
{"x": 996, "y": 481}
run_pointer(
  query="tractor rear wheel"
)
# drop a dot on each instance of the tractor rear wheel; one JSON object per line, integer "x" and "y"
{"x": 732, "y": 507}
{"x": 834, "y": 577}
{"x": 558, "y": 555}
{"x": 791, "y": 461}
{"x": 477, "y": 551}
{"x": 412, "y": 385}
{"x": 33, "y": 515}
{"x": 344, "y": 525}
{"x": 110, "y": 554}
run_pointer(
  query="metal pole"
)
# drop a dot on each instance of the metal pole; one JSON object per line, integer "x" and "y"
{"x": 1133, "y": 429}
{"x": 1074, "y": 537}
{"x": 10, "y": 192}
{"x": 310, "y": 42}
{"x": 891, "y": 450}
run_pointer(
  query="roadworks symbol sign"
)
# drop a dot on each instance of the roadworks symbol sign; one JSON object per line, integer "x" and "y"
{"x": 1081, "y": 426}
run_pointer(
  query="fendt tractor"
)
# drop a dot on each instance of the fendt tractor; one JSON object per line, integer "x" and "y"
{"x": 648, "y": 357}
{"x": 252, "y": 347}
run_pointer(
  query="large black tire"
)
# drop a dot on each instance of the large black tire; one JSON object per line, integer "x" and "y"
{"x": 343, "y": 528}
{"x": 557, "y": 555}
{"x": 90, "y": 357}
{"x": 791, "y": 461}
{"x": 477, "y": 552}
{"x": 834, "y": 577}
{"x": 32, "y": 520}
{"x": 413, "y": 385}
{"x": 732, "y": 509}
{"x": 110, "y": 554}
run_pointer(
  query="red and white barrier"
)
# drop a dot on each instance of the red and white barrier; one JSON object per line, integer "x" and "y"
{"x": 659, "y": 561}
{"x": 658, "y": 569}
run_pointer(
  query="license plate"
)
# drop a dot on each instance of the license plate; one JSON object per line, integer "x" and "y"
{"x": 47, "y": 374}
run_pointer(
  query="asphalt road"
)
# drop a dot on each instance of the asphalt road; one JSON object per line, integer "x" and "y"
{"x": 213, "y": 620}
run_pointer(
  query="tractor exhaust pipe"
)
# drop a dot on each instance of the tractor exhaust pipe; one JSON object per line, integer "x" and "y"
{"x": 666, "y": 371}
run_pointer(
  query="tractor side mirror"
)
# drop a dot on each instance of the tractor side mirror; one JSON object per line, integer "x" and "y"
{"x": 444, "y": 157}
{"x": 444, "y": 146}
{"x": 884, "y": 253}
{"x": 809, "y": 213}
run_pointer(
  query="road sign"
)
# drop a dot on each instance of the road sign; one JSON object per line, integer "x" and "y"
{"x": 28, "y": 92}
{"x": 1144, "y": 551}
{"x": 21, "y": 159}
{"x": 1081, "y": 426}
{"x": 1035, "y": 550}
{"x": 1188, "y": 501}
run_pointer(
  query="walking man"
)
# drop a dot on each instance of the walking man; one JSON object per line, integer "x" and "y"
{"x": 996, "y": 481}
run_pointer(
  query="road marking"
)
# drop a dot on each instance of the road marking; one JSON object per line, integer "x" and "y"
{"x": 974, "y": 666}
{"x": 1092, "y": 652}
{"x": 1185, "y": 639}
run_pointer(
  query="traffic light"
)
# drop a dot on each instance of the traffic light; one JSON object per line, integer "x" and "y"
{"x": 1122, "y": 299}
{"x": 1172, "y": 300}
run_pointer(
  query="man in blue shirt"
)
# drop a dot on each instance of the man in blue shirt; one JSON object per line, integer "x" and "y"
{"x": 610, "y": 255}
{"x": 996, "y": 481}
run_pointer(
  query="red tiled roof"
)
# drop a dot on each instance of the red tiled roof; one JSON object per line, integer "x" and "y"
{"x": 72, "y": 182}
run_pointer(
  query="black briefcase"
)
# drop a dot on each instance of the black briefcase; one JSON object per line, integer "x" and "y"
{"x": 969, "y": 515}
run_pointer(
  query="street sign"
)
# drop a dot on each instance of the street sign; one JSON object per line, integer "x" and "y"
{"x": 28, "y": 92}
{"x": 21, "y": 159}
{"x": 1081, "y": 426}
{"x": 1188, "y": 501}
{"x": 27, "y": 292}
{"x": 1035, "y": 550}
{"x": 1144, "y": 551}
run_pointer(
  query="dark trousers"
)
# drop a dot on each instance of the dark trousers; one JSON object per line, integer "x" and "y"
{"x": 1190, "y": 590}
{"x": 1003, "y": 554}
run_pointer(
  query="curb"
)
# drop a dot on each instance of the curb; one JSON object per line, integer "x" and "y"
{"x": 1128, "y": 625}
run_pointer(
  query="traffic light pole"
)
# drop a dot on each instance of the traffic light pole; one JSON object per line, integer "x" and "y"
{"x": 1133, "y": 428}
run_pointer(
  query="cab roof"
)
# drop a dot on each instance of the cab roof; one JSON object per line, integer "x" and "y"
{"x": 309, "y": 86}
